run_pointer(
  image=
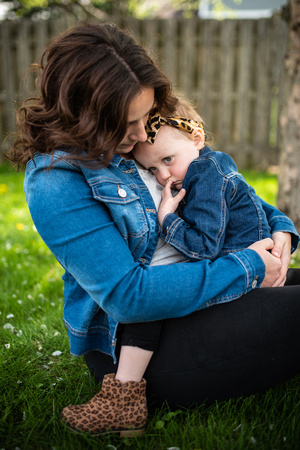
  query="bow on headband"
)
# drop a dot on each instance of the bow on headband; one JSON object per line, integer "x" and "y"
{"x": 155, "y": 120}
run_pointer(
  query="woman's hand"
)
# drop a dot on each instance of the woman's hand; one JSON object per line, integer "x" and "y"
{"x": 168, "y": 203}
{"x": 282, "y": 250}
{"x": 273, "y": 264}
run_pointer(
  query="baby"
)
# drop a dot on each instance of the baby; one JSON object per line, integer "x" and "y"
{"x": 219, "y": 212}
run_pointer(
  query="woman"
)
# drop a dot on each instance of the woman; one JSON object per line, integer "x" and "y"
{"x": 95, "y": 213}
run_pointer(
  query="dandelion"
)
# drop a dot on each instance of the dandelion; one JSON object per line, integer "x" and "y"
{"x": 57, "y": 353}
{"x": 3, "y": 188}
{"x": 20, "y": 226}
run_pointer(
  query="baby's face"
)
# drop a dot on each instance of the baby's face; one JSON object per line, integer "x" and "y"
{"x": 170, "y": 155}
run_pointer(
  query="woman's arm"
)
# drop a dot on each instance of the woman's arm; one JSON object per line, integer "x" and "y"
{"x": 278, "y": 221}
{"x": 285, "y": 237}
{"x": 79, "y": 231}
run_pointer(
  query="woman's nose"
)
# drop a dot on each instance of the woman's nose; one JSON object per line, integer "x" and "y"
{"x": 138, "y": 133}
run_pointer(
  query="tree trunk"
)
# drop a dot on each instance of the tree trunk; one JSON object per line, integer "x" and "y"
{"x": 289, "y": 168}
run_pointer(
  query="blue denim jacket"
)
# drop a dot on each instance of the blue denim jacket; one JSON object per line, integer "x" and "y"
{"x": 101, "y": 225}
{"x": 220, "y": 212}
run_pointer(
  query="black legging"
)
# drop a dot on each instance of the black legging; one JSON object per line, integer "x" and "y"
{"x": 226, "y": 351}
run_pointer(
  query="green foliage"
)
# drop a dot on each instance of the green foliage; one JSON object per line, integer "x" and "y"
{"x": 135, "y": 8}
{"x": 38, "y": 377}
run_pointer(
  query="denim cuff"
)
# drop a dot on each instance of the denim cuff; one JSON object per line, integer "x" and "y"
{"x": 168, "y": 224}
{"x": 253, "y": 266}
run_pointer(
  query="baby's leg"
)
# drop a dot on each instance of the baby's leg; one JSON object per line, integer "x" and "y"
{"x": 138, "y": 342}
{"x": 133, "y": 362}
{"x": 121, "y": 405}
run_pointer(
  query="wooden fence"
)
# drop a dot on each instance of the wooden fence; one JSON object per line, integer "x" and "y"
{"x": 232, "y": 69}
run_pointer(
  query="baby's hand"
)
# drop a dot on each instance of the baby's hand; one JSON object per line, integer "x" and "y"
{"x": 168, "y": 203}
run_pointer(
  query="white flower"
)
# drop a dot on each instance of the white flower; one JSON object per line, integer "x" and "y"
{"x": 9, "y": 327}
{"x": 20, "y": 302}
{"x": 19, "y": 333}
{"x": 57, "y": 353}
{"x": 7, "y": 345}
{"x": 10, "y": 316}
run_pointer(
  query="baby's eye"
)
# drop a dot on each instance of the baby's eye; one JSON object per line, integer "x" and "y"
{"x": 152, "y": 169}
{"x": 168, "y": 159}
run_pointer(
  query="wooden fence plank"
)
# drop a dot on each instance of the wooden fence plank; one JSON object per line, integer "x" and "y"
{"x": 8, "y": 70}
{"x": 227, "y": 58}
{"x": 169, "y": 51}
{"x": 242, "y": 129}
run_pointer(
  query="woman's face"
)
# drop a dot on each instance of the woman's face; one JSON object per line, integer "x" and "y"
{"x": 139, "y": 109}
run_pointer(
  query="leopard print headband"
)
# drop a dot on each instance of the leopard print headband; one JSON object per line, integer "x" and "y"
{"x": 155, "y": 120}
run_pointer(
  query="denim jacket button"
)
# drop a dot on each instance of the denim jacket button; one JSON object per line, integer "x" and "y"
{"x": 254, "y": 283}
{"x": 122, "y": 192}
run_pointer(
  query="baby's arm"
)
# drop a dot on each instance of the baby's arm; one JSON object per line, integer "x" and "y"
{"x": 199, "y": 232}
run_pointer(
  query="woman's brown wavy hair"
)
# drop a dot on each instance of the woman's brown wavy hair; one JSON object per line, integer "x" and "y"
{"x": 89, "y": 75}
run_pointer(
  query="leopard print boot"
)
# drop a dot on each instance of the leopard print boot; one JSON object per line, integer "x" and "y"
{"x": 117, "y": 408}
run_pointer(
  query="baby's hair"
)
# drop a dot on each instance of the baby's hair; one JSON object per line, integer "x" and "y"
{"x": 186, "y": 109}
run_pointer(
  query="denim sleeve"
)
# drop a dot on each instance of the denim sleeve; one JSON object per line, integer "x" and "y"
{"x": 82, "y": 236}
{"x": 278, "y": 221}
{"x": 200, "y": 232}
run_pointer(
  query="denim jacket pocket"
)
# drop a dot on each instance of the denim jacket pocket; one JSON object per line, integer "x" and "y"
{"x": 127, "y": 213}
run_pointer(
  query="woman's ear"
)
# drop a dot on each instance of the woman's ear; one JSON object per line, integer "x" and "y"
{"x": 198, "y": 138}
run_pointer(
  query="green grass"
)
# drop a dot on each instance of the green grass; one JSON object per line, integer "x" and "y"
{"x": 35, "y": 384}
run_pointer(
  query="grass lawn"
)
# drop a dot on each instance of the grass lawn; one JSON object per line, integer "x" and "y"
{"x": 38, "y": 377}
